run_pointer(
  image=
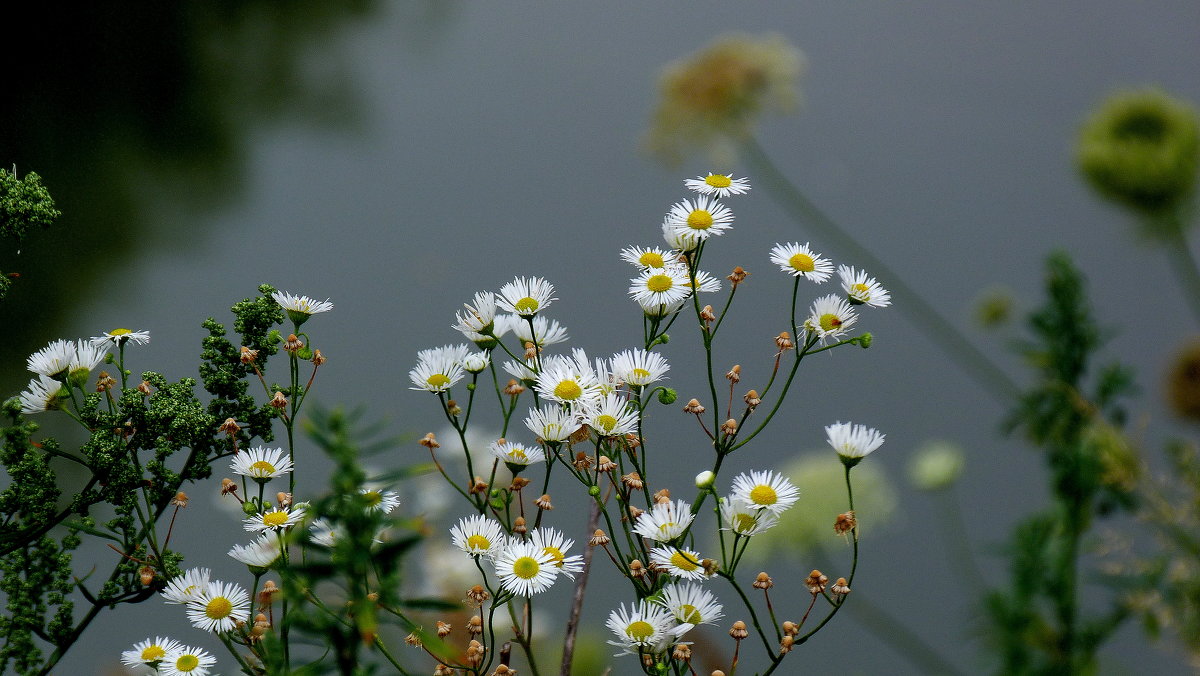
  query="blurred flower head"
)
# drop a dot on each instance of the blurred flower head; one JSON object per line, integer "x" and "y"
{"x": 936, "y": 465}
{"x": 1183, "y": 382}
{"x": 711, "y": 99}
{"x": 1141, "y": 149}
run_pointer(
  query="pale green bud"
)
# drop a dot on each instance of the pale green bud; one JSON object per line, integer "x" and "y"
{"x": 936, "y": 465}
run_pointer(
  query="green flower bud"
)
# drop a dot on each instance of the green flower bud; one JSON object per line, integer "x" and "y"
{"x": 274, "y": 337}
{"x": 78, "y": 377}
{"x": 249, "y": 508}
{"x": 1141, "y": 149}
{"x": 667, "y": 396}
{"x": 705, "y": 479}
{"x": 935, "y": 466}
{"x": 864, "y": 341}
{"x": 594, "y": 491}
{"x": 304, "y": 354}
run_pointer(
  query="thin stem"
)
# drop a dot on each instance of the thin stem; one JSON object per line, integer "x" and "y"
{"x": 1184, "y": 264}
{"x": 577, "y": 599}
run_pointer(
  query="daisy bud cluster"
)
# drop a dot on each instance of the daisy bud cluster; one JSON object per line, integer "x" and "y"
{"x": 586, "y": 415}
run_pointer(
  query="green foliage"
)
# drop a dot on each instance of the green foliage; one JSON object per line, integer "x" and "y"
{"x": 25, "y": 205}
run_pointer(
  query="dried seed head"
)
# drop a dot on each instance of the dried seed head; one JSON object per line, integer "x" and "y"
{"x": 738, "y": 275}
{"x": 266, "y": 595}
{"x": 429, "y": 441}
{"x": 453, "y": 408}
{"x": 443, "y": 670}
{"x": 785, "y": 645}
{"x": 816, "y": 582}
{"x": 443, "y": 629}
{"x": 752, "y": 399}
{"x": 318, "y": 358}
{"x": 599, "y": 538}
{"x": 479, "y": 486}
{"x": 230, "y": 427}
{"x": 582, "y": 461}
{"x": 763, "y": 581}
{"x": 503, "y": 670}
{"x": 474, "y": 653}
{"x": 707, "y": 314}
{"x": 228, "y": 486}
{"x": 729, "y": 427}
{"x": 279, "y": 401}
{"x": 709, "y": 566}
{"x": 734, "y": 375}
{"x": 146, "y": 573}
{"x": 478, "y": 594}
{"x": 105, "y": 382}
{"x": 606, "y": 464}
{"x": 518, "y": 483}
{"x": 632, "y": 442}
{"x": 544, "y": 502}
{"x": 633, "y": 480}
{"x": 145, "y": 388}
{"x": 840, "y": 587}
{"x": 682, "y": 653}
{"x": 413, "y": 640}
{"x": 292, "y": 344}
{"x": 636, "y": 569}
{"x": 635, "y": 511}
{"x": 738, "y": 631}
{"x": 693, "y": 406}
{"x": 664, "y": 493}
{"x": 513, "y": 388}
{"x": 784, "y": 341}
{"x": 261, "y": 620}
{"x": 531, "y": 351}
{"x": 475, "y": 625}
{"x": 180, "y": 499}
{"x": 580, "y": 435}
{"x": 845, "y": 523}
{"x": 519, "y": 526}
{"x": 373, "y": 597}
{"x": 791, "y": 628}
{"x": 248, "y": 356}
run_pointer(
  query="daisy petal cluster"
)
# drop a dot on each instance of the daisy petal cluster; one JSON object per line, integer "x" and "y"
{"x": 658, "y": 287}
{"x": 679, "y": 562}
{"x": 479, "y": 316}
{"x": 517, "y": 455}
{"x": 52, "y": 360}
{"x": 567, "y": 381}
{"x": 300, "y": 308}
{"x": 644, "y": 628}
{"x": 765, "y": 490}
{"x": 610, "y": 415}
{"x": 799, "y": 260}
{"x": 439, "y": 368}
{"x": 381, "y": 500}
{"x": 665, "y": 521}
{"x": 43, "y": 394}
{"x": 186, "y": 661}
{"x": 260, "y": 553}
{"x": 149, "y": 653}
{"x": 552, "y": 422}
{"x": 862, "y": 289}
{"x": 478, "y": 535}
{"x": 187, "y": 587}
{"x": 275, "y": 518}
{"x": 690, "y": 603}
{"x": 219, "y": 608}
{"x": 718, "y": 185}
{"x": 744, "y": 518}
{"x": 700, "y": 218}
{"x": 639, "y": 367}
{"x": 830, "y": 317}
{"x": 526, "y": 296}
{"x": 545, "y": 332}
{"x": 261, "y": 463}
{"x": 552, "y": 541}
{"x": 119, "y": 337}
{"x": 853, "y": 442}
{"x": 526, "y": 569}
{"x": 649, "y": 257}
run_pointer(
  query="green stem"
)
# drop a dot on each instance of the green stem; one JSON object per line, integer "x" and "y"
{"x": 1184, "y": 264}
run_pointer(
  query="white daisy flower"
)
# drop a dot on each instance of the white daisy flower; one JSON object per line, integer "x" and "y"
{"x": 678, "y": 240}
{"x": 639, "y": 367}
{"x": 553, "y": 542}
{"x": 219, "y": 607}
{"x": 275, "y": 519}
{"x": 690, "y": 603}
{"x": 520, "y": 370}
{"x": 644, "y": 628}
{"x": 187, "y": 661}
{"x": 660, "y": 286}
{"x": 678, "y": 562}
{"x": 830, "y": 317}
{"x": 438, "y": 369}
{"x": 381, "y": 500}
{"x": 478, "y": 535}
{"x": 701, "y": 218}
{"x": 187, "y": 587}
{"x": 552, "y": 423}
{"x": 604, "y": 375}
{"x": 43, "y": 394}
{"x": 88, "y": 355}
{"x": 52, "y": 360}
{"x": 665, "y": 521}
{"x": 853, "y": 442}
{"x": 480, "y": 315}
{"x": 120, "y": 337}
{"x": 563, "y": 381}
{"x": 261, "y": 463}
{"x": 147, "y": 653}
{"x": 652, "y": 257}
{"x": 476, "y": 362}
{"x": 704, "y": 282}
{"x": 260, "y": 553}
{"x": 525, "y": 569}
{"x": 526, "y": 296}
{"x": 798, "y": 260}
{"x": 610, "y": 415}
{"x": 547, "y": 331}
{"x": 300, "y": 308}
{"x": 863, "y": 289}
{"x": 744, "y": 518}
{"x": 765, "y": 490}
{"x": 516, "y": 454}
{"x": 324, "y": 533}
{"x": 719, "y": 185}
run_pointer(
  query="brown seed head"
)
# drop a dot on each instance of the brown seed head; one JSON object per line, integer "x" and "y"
{"x": 709, "y": 566}
{"x": 105, "y": 382}
{"x": 816, "y": 582}
{"x": 763, "y": 581}
{"x": 707, "y": 314}
{"x": 663, "y": 493}
{"x": 752, "y": 399}
{"x": 248, "y": 356}
{"x": 443, "y": 629}
{"x": 413, "y": 640}
{"x": 738, "y": 631}
{"x": 599, "y": 538}
{"x": 582, "y": 461}
{"x": 478, "y": 594}
{"x": 519, "y": 526}
{"x": 266, "y": 595}
{"x": 693, "y": 406}
{"x": 635, "y": 512}
{"x": 513, "y": 388}
{"x": 443, "y": 670}
{"x": 475, "y": 625}
{"x": 479, "y": 486}
{"x": 228, "y": 486}
{"x": 785, "y": 645}
{"x": 180, "y": 499}
{"x": 503, "y": 670}
{"x": 518, "y": 483}
{"x": 682, "y": 653}
{"x": 453, "y": 408}
{"x": 729, "y": 427}
{"x": 636, "y": 569}
{"x": 145, "y": 388}
{"x": 632, "y": 441}
{"x": 784, "y": 341}
{"x": 279, "y": 401}
{"x": 840, "y": 587}
{"x": 283, "y": 499}
{"x": 633, "y": 480}
{"x": 734, "y": 375}
{"x": 544, "y": 502}
{"x": 738, "y": 275}
{"x": 230, "y": 427}
{"x": 606, "y": 464}
{"x": 580, "y": 435}
{"x": 531, "y": 351}
{"x": 474, "y": 653}
{"x": 292, "y": 344}
{"x": 146, "y": 573}
{"x": 845, "y": 523}
{"x": 791, "y": 628}
{"x": 318, "y": 358}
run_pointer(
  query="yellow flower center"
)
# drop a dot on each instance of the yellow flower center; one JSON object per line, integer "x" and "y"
{"x": 187, "y": 663}
{"x": 858, "y": 289}
{"x": 830, "y": 322}
{"x": 664, "y": 527}
{"x": 802, "y": 262}
{"x": 640, "y": 374}
{"x": 275, "y": 519}
{"x": 526, "y": 567}
{"x": 373, "y": 498}
{"x": 262, "y": 468}
{"x": 718, "y": 181}
{"x": 651, "y": 260}
{"x": 763, "y": 494}
{"x": 568, "y": 389}
{"x": 153, "y": 654}
{"x": 744, "y": 523}
{"x": 526, "y": 306}
{"x": 606, "y": 422}
{"x": 689, "y": 614}
{"x": 478, "y": 543}
{"x": 218, "y": 608}
{"x": 438, "y": 380}
{"x": 640, "y": 631}
{"x": 659, "y": 283}
{"x": 700, "y": 220}
{"x": 556, "y": 554}
{"x": 122, "y": 332}
{"x": 684, "y": 562}
{"x": 517, "y": 455}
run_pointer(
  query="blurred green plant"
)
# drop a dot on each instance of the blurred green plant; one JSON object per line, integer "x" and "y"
{"x": 25, "y": 205}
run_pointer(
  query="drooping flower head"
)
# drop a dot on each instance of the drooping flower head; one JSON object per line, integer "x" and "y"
{"x": 479, "y": 316}
{"x": 300, "y": 308}
{"x": 798, "y": 260}
{"x": 545, "y": 331}
{"x": 260, "y": 553}
{"x": 52, "y": 360}
{"x": 43, "y": 394}
{"x": 862, "y": 289}
{"x": 665, "y": 521}
{"x": 517, "y": 455}
{"x": 744, "y": 518}
{"x": 187, "y": 587}
{"x": 853, "y": 442}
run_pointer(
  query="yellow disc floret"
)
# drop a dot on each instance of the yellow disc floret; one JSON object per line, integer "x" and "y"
{"x": 568, "y": 390}
{"x": 651, "y": 260}
{"x": 700, "y": 219}
{"x": 526, "y": 567}
{"x": 802, "y": 262}
{"x": 218, "y": 608}
{"x": 763, "y": 494}
{"x": 659, "y": 283}
{"x": 718, "y": 181}
{"x": 526, "y": 306}
{"x": 640, "y": 631}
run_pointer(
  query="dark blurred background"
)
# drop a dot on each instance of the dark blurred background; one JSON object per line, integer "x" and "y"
{"x": 397, "y": 157}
